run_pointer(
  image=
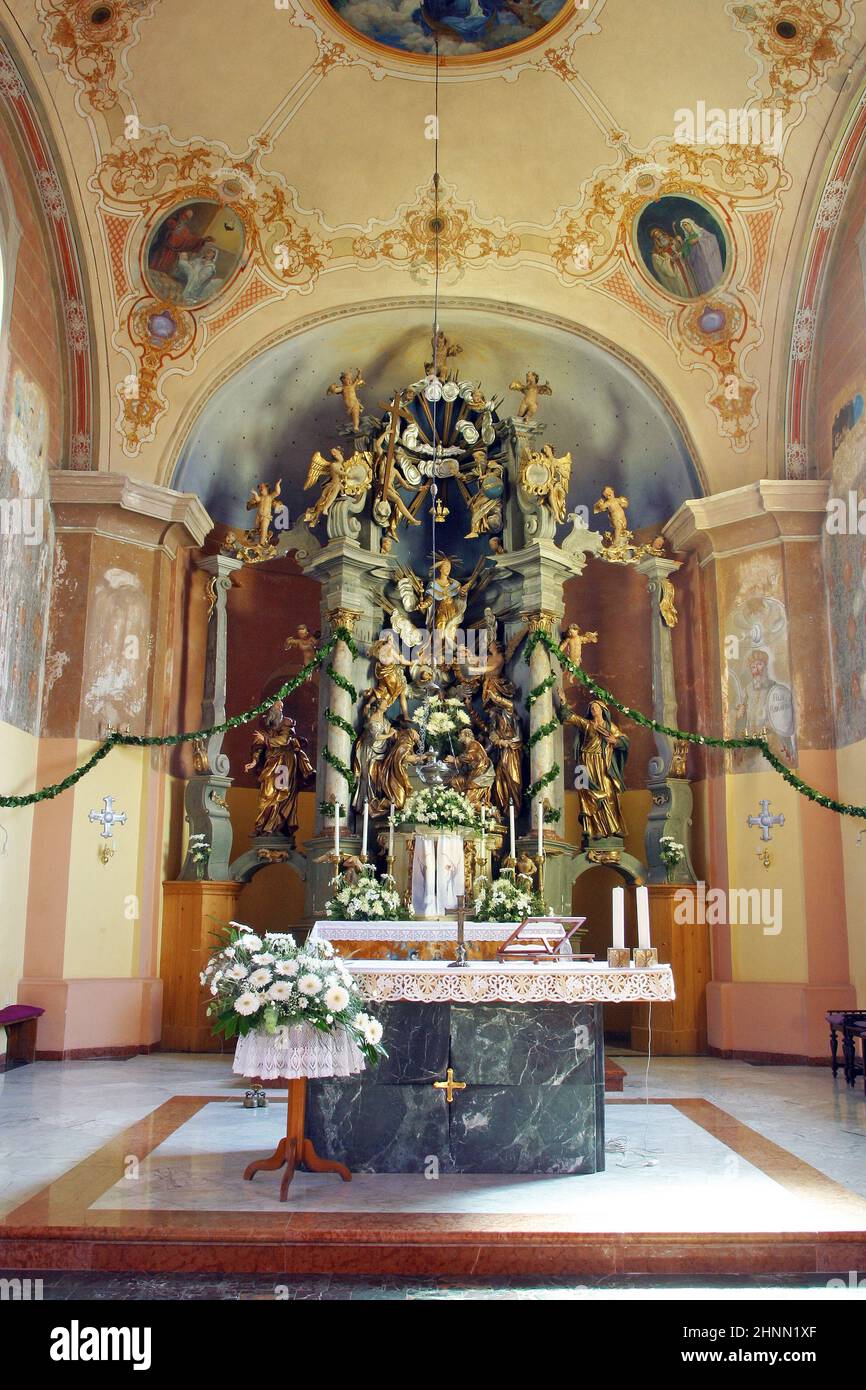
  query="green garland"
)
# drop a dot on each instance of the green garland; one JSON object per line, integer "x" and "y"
{"x": 539, "y": 690}
{"x": 545, "y": 781}
{"x": 339, "y": 722}
{"x": 115, "y": 739}
{"x": 542, "y": 732}
{"x": 842, "y": 808}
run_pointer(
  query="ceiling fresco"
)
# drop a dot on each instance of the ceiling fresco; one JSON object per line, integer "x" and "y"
{"x": 460, "y": 27}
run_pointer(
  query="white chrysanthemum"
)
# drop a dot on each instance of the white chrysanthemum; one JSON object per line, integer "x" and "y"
{"x": 279, "y": 991}
{"x": 327, "y": 948}
{"x": 237, "y": 971}
{"x": 264, "y": 958}
{"x": 251, "y": 942}
{"x": 286, "y": 967}
{"x": 202, "y": 979}
{"x": 309, "y": 985}
{"x": 247, "y": 1003}
{"x": 336, "y": 999}
{"x": 229, "y": 951}
{"x": 260, "y": 978}
{"x": 373, "y": 1031}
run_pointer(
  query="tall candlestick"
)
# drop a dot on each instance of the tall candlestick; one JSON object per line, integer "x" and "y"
{"x": 511, "y": 827}
{"x": 483, "y": 855}
{"x": 541, "y": 827}
{"x": 619, "y": 917}
{"x": 337, "y": 833}
{"x": 643, "y": 922}
{"x": 364, "y": 832}
{"x": 391, "y": 832}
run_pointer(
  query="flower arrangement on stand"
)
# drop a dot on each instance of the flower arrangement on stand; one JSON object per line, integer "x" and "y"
{"x": 507, "y": 899}
{"x": 440, "y": 721}
{"x": 440, "y": 808}
{"x": 270, "y": 982}
{"x": 199, "y": 853}
{"x": 671, "y": 853}
{"x": 366, "y": 898}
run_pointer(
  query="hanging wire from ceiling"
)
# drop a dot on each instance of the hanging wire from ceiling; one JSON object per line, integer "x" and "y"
{"x": 437, "y": 229}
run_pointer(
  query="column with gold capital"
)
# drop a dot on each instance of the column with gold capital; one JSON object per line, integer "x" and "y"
{"x": 340, "y": 705}
{"x": 671, "y": 809}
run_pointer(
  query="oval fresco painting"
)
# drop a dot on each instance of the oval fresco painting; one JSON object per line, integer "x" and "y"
{"x": 462, "y": 27}
{"x": 682, "y": 246}
{"x": 193, "y": 252}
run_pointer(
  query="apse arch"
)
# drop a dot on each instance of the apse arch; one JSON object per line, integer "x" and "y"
{"x": 263, "y": 418}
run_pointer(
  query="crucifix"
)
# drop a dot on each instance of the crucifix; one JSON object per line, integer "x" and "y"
{"x": 460, "y": 954}
{"x": 107, "y": 818}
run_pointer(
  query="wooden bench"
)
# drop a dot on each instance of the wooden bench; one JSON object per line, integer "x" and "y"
{"x": 20, "y": 1020}
{"x": 840, "y": 1021}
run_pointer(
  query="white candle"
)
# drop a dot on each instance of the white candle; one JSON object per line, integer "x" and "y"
{"x": 391, "y": 832}
{"x": 540, "y": 828}
{"x": 643, "y": 925}
{"x": 337, "y": 832}
{"x": 483, "y": 837}
{"x": 366, "y": 823}
{"x": 511, "y": 827}
{"x": 619, "y": 917}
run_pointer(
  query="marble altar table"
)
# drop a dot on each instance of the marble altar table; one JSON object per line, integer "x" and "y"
{"x": 522, "y": 1044}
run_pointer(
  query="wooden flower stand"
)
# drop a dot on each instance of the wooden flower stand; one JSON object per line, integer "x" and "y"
{"x": 296, "y": 1150}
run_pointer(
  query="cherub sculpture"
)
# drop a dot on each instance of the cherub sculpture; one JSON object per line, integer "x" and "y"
{"x": 304, "y": 641}
{"x": 530, "y": 389}
{"x": 262, "y": 499}
{"x": 347, "y": 387}
{"x": 571, "y": 645}
{"x": 346, "y": 477}
{"x": 443, "y": 349}
{"x": 619, "y": 535}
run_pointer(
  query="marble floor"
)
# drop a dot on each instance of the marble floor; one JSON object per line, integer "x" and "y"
{"x": 759, "y": 1164}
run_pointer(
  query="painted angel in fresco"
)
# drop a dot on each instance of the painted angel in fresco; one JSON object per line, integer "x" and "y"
{"x": 347, "y": 387}
{"x": 530, "y": 389}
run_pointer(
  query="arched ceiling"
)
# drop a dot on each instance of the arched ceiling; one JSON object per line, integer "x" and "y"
{"x": 266, "y": 420}
{"x": 311, "y": 124}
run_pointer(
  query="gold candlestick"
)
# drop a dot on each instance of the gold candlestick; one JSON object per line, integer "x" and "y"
{"x": 538, "y": 860}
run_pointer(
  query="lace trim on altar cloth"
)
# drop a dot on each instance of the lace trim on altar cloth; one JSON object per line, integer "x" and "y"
{"x": 298, "y": 1051}
{"x": 410, "y": 931}
{"x": 516, "y": 984}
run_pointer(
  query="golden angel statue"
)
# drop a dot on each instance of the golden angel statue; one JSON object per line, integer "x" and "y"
{"x": 346, "y": 477}
{"x": 496, "y": 689}
{"x": 305, "y": 642}
{"x": 389, "y": 679}
{"x": 571, "y": 645}
{"x": 443, "y": 349}
{"x": 347, "y": 387}
{"x": 530, "y": 389}
{"x": 262, "y": 500}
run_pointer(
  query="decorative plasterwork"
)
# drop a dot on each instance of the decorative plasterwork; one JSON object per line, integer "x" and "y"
{"x": 795, "y": 44}
{"x": 411, "y": 242}
{"x": 91, "y": 41}
{"x": 70, "y": 280}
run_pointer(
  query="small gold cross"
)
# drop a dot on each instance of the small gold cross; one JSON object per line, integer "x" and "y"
{"x": 449, "y": 1085}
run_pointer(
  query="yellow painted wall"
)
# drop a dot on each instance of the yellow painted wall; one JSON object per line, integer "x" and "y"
{"x": 18, "y": 761}
{"x": 783, "y": 958}
{"x": 851, "y": 763}
{"x": 101, "y": 940}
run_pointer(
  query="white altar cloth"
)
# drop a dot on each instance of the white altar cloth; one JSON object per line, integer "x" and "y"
{"x": 438, "y": 873}
{"x": 413, "y": 930}
{"x": 517, "y": 982}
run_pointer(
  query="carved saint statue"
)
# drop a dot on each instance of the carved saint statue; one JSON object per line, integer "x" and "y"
{"x": 282, "y": 767}
{"x": 389, "y": 680}
{"x": 402, "y": 754}
{"x": 443, "y": 349}
{"x": 475, "y": 773}
{"x": 530, "y": 389}
{"x": 347, "y": 387}
{"x": 485, "y": 504}
{"x": 506, "y": 740}
{"x": 368, "y": 757}
{"x": 601, "y": 749}
{"x": 444, "y": 597}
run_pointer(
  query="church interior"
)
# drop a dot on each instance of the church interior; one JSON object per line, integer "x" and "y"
{"x": 432, "y": 648}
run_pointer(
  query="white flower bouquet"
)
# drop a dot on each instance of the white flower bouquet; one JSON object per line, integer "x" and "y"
{"x": 366, "y": 899}
{"x": 268, "y": 982}
{"x": 671, "y": 853}
{"x": 441, "y": 808}
{"x": 440, "y": 721}
{"x": 507, "y": 900}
